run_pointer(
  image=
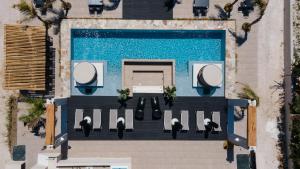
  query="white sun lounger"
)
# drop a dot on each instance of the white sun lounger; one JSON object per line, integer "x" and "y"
{"x": 129, "y": 119}
{"x": 200, "y": 120}
{"x": 185, "y": 120}
{"x": 113, "y": 117}
{"x": 97, "y": 119}
{"x": 216, "y": 119}
{"x": 167, "y": 120}
{"x": 78, "y": 118}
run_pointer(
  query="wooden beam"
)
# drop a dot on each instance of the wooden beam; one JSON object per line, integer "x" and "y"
{"x": 251, "y": 126}
{"x": 50, "y": 124}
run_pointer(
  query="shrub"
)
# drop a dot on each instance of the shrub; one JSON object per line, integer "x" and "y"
{"x": 295, "y": 143}
{"x": 35, "y": 112}
{"x": 12, "y": 107}
{"x": 248, "y": 93}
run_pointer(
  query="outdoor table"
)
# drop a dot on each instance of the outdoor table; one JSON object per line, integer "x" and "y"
{"x": 173, "y": 121}
{"x": 121, "y": 119}
{"x": 207, "y": 121}
{"x": 84, "y": 73}
{"x": 88, "y": 119}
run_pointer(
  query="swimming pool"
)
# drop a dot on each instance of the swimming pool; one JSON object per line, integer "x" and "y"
{"x": 112, "y": 46}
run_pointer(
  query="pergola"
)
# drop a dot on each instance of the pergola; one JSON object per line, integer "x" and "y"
{"x": 25, "y": 57}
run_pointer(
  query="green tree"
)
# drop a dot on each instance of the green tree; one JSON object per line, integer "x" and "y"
{"x": 170, "y": 93}
{"x": 29, "y": 12}
{"x": 262, "y": 4}
{"x": 295, "y": 143}
{"x": 248, "y": 93}
{"x": 229, "y": 6}
{"x": 124, "y": 94}
{"x": 35, "y": 112}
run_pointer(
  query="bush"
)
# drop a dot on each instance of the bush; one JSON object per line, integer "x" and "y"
{"x": 35, "y": 112}
{"x": 248, "y": 93}
{"x": 295, "y": 143}
{"x": 12, "y": 107}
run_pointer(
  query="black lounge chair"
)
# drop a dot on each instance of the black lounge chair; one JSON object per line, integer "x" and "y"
{"x": 95, "y": 7}
{"x": 156, "y": 112}
{"x": 200, "y": 7}
{"x": 39, "y": 3}
{"x": 139, "y": 112}
{"x": 246, "y": 6}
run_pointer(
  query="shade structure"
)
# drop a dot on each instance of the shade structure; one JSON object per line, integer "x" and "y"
{"x": 25, "y": 57}
{"x": 210, "y": 75}
{"x": 84, "y": 73}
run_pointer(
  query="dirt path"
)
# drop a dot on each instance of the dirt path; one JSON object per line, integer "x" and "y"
{"x": 269, "y": 71}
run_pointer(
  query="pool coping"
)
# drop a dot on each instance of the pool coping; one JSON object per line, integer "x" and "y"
{"x": 68, "y": 24}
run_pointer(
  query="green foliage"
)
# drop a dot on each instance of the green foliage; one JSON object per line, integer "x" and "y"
{"x": 12, "y": 106}
{"x": 170, "y": 93}
{"x": 66, "y": 5}
{"x": 228, "y": 7}
{"x": 124, "y": 94}
{"x": 35, "y": 112}
{"x": 246, "y": 27}
{"x": 296, "y": 105}
{"x": 26, "y": 9}
{"x": 262, "y": 4}
{"x": 248, "y": 93}
{"x": 295, "y": 143}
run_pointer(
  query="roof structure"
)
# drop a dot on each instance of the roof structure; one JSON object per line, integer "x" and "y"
{"x": 25, "y": 57}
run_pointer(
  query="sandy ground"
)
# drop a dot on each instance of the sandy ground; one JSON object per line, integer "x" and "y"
{"x": 5, "y": 17}
{"x": 269, "y": 70}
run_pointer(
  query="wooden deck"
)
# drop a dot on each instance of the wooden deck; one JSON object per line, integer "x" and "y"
{"x": 147, "y": 129}
{"x": 50, "y": 124}
{"x": 251, "y": 130}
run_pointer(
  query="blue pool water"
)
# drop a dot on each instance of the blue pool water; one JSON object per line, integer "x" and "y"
{"x": 184, "y": 46}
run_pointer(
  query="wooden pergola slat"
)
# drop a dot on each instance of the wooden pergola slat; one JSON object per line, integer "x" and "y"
{"x": 25, "y": 57}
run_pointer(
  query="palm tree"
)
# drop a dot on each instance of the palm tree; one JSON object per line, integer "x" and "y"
{"x": 170, "y": 93}
{"x": 229, "y": 6}
{"x": 28, "y": 10}
{"x": 248, "y": 93}
{"x": 262, "y": 4}
{"x": 66, "y": 6}
{"x": 124, "y": 94}
{"x": 35, "y": 112}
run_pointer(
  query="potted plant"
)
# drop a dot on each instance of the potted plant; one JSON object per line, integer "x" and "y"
{"x": 124, "y": 94}
{"x": 170, "y": 93}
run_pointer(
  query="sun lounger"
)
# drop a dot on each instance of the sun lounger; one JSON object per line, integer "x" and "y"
{"x": 200, "y": 120}
{"x": 78, "y": 118}
{"x": 129, "y": 119}
{"x": 97, "y": 119}
{"x": 156, "y": 112}
{"x": 200, "y": 7}
{"x": 185, "y": 120}
{"x": 95, "y": 6}
{"x": 113, "y": 117}
{"x": 167, "y": 120}
{"x": 139, "y": 112}
{"x": 216, "y": 119}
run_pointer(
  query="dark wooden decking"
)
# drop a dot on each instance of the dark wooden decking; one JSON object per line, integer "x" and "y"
{"x": 146, "y": 9}
{"x": 147, "y": 129}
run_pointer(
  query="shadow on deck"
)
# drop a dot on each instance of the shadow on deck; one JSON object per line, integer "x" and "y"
{"x": 146, "y": 129}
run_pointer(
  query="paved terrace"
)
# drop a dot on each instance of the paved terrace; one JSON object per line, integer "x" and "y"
{"x": 147, "y": 129}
